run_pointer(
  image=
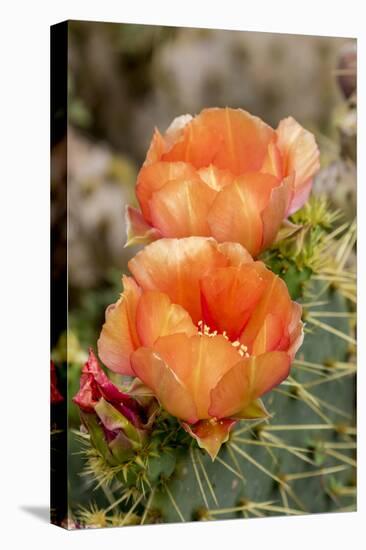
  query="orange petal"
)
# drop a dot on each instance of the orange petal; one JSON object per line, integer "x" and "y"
{"x": 156, "y": 149}
{"x": 210, "y": 434}
{"x": 229, "y": 295}
{"x": 215, "y": 178}
{"x": 299, "y": 197}
{"x": 300, "y": 156}
{"x": 138, "y": 231}
{"x": 269, "y": 336}
{"x": 175, "y": 132}
{"x": 276, "y": 210}
{"x": 195, "y": 144}
{"x": 273, "y": 161}
{"x": 168, "y": 388}
{"x": 157, "y": 316}
{"x": 180, "y": 208}
{"x": 275, "y": 300}
{"x": 175, "y": 266}
{"x": 235, "y": 253}
{"x": 199, "y": 361}
{"x": 268, "y": 371}
{"x": 245, "y": 139}
{"x": 235, "y": 215}
{"x": 119, "y": 337}
{"x": 296, "y": 330}
{"x": 153, "y": 177}
{"x": 261, "y": 187}
{"x": 176, "y": 351}
{"x": 246, "y": 381}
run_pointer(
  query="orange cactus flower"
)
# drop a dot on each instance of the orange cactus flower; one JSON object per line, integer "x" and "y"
{"x": 225, "y": 174}
{"x": 207, "y": 329}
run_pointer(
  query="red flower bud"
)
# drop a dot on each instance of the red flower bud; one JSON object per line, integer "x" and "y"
{"x": 117, "y": 422}
{"x": 95, "y": 384}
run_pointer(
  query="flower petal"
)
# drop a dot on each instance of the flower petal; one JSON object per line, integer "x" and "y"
{"x": 300, "y": 156}
{"x": 273, "y": 162}
{"x": 175, "y": 132}
{"x": 195, "y": 144}
{"x": 228, "y": 296}
{"x": 156, "y": 149}
{"x": 168, "y": 388}
{"x": 113, "y": 420}
{"x": 95, "y": 384}
{"x": 235, "y": 253}
{"x": 119, "y": 337}
{"x": 245, "y": 138}
{"x": 105, "y": 386}
{"x": 276, "y": 210}
{"x": 157, "y": 316}
{"x": 269, "y": 336}
{"x": 175, "y": 266}
{"x": 180, "y": 208}
{"x": 235, "y": 216}
{"x": 210, "y": 435}
{"x": 262, "y": 187}
{"x": 85, "y": 398}
{"x": 275, "y": 300}
{"x": 199, "y": 362}
{"x": 138, "y": 231}
{"x": 214, "y": 177}
{"x": 246, "y": 381}
{"x": 296, "y": 330}
{"x": 153, "y": 177}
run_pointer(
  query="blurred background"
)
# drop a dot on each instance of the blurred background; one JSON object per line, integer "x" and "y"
{"x": 126, "y": 79}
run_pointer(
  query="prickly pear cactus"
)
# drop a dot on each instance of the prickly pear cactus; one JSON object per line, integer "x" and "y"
{"x": 301, "y": 460}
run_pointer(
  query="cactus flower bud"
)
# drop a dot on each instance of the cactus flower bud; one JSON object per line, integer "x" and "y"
{"x": 115, "y": 420}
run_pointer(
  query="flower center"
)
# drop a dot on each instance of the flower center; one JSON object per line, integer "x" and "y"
{"x": 205, "y": 330}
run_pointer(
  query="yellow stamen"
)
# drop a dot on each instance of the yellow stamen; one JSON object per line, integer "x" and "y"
{"x": 204, "y": 330}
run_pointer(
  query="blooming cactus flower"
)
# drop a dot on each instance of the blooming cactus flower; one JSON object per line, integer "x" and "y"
{"x": 207, "y": 329}
{"x": 115, "y": 420}
{"x": 225, "y": 174}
